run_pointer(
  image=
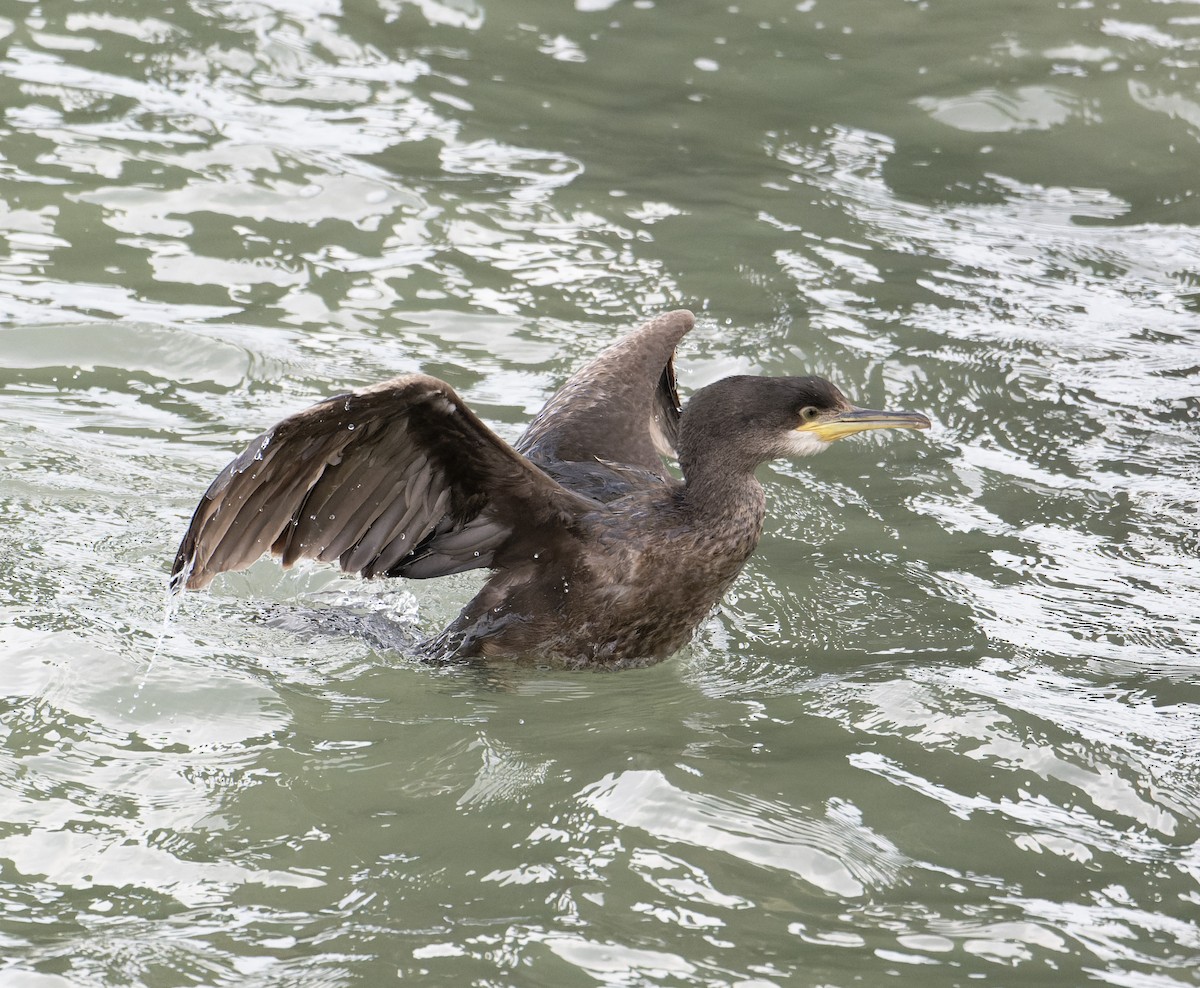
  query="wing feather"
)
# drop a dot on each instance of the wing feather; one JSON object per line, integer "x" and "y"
{"x": 244, "y": 520}
{"x": 622, "y": 407}
{"x": 421, "y": 521}
{"x": 398, "y": 479}
{"x": 328, "y": 512}
{"x": 358, "y": 512}
{"x": 397, "y": 516}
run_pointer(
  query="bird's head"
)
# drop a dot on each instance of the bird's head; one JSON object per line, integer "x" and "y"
{"x": 745, "y": 421}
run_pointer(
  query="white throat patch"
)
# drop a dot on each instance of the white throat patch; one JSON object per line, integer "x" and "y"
{"x": 803, "y": 444}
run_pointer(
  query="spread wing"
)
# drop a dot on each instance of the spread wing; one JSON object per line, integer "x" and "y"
{"x": 621, "y": 408}
{"x": 400, "y": 479}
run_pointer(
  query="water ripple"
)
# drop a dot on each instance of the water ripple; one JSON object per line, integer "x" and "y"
{"x": 837, "y": 854}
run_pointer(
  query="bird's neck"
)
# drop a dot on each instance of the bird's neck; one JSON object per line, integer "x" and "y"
{"x": 733, "y": 500}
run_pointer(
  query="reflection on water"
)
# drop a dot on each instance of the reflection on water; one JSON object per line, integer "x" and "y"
{"x": 837, "y": 855}
{"x": 944, "y": 726}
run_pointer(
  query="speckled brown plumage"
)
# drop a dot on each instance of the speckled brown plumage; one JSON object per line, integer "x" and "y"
{"x": 597, "y": 554}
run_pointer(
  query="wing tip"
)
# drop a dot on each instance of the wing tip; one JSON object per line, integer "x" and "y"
{"x": 676, "y": 322}
{"x": 184, "y": 575}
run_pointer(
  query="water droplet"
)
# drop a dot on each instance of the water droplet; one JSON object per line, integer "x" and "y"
{"x": 350, "y": 427}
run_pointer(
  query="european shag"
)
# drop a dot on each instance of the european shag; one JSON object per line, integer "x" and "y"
{"x": 597, "y": 554}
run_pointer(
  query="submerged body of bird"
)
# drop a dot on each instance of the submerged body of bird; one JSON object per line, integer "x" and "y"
{"x": 597, "y": 554}
{"x": 634, "y": 581}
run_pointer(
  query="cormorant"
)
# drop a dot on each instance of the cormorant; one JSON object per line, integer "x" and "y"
{"x": 597, "y": 553}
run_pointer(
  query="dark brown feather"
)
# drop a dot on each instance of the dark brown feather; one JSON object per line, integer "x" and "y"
{"x": 622, "y": 407}
{"x": 365, "y": 478}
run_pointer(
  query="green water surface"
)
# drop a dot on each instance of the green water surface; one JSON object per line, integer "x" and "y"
{"x": 946, "y": 728}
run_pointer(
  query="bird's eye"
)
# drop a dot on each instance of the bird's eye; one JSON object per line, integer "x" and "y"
{"x": 808, "y": 413}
